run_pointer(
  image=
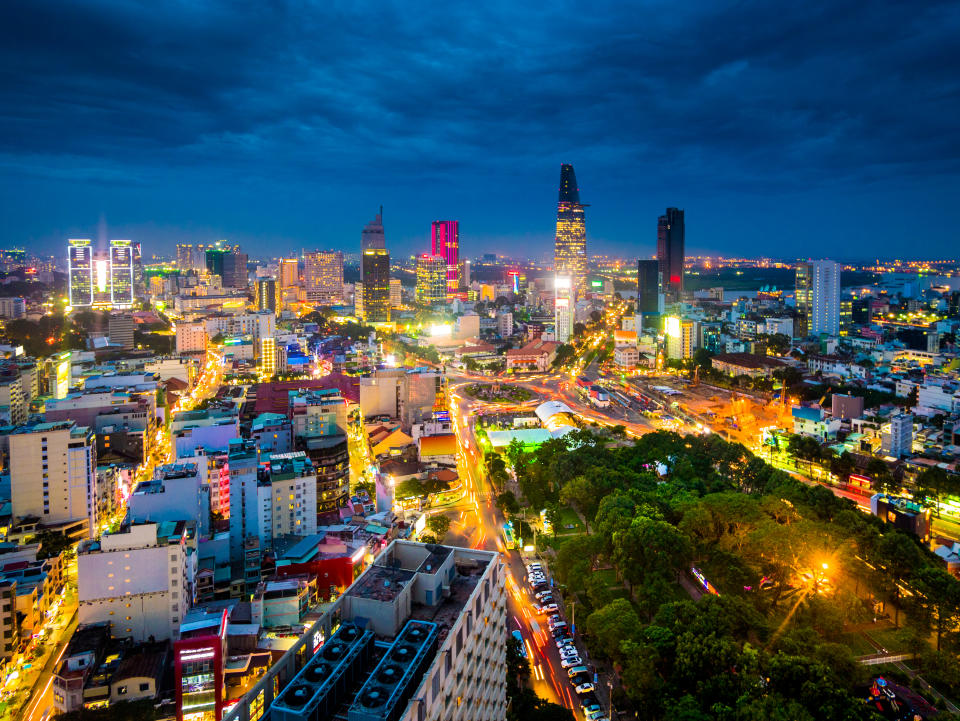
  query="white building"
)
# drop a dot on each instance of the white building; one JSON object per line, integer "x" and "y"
{"x": 825, "y": 297}
{"x": 681, "y": 337}
{"x": 505, "y": 324}
{"x": 139, "y": 579}
{"x": 562, "y": 309}
{"x": 12, "y": 308}
{"x": 191, "y": 337}
{"x": 896, "y": 437}
{"x": 782, "y": 326}
{"x": 53, "y": 472}
{"x": 627, "y": 357}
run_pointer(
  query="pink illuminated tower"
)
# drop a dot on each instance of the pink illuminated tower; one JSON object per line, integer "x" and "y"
{"x": 445, "y": 241}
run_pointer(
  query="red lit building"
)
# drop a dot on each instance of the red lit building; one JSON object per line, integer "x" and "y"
{"x": 445, "y": 241}
{"x": 199, "y": 658}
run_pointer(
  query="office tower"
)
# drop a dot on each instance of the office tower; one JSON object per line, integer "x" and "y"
{"x": 396, "y": 293}
{"x": 290, "y": 272}
{"x": 670, "y": 253}
{"x": 120, "y": 330}
{"x": 267, "y": 294}
{"x": 563, "y": 308}
{"x": 138, "y": 287}
{"x": 53, "y": 473}
{"x": 234, "y": 270}
{"x": 214, "y": 258}
{"x": 818, "y": 298}
{"x": 122, "y": 279}
{"x": 431, "y": 279}
{"x": 649, "y": 297}
{"x": 372, "y": 236}
{"x": 323, "y": 277}
{"x": 80, "y": 271}
{"x": 570, "y": 247}
{"x": 445, "y": 241}
{"x": 376, "y": 282}
{"x": 896, "y": 438}
{"x": 466, "y": 273}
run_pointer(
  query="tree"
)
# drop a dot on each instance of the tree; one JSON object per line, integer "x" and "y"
{"x": 515, "y": 454}
{"x": 508, "y": 504}
{"x": 52, "y": 544}
{"x": 703, "y": 358}
{"x": 942, "y": 595}
{"x": 611, "y": 625}
{"x": 439, "y": 524}
{"x": 582, "y": 495}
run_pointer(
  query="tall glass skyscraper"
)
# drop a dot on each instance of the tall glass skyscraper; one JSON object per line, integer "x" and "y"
{"x": 375, "y": 272}
{"x": 445, "y": 241}
{"x": 122, "y": 273}
{"x": 570, "y": 246}
{"x": 431, "y": 279}
{"x": 648, "y": 287}
{"x": 670, "y": 253}
{"x": 80, "y": 271}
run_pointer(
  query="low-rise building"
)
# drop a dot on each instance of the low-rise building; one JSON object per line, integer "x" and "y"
{"x": 746, "y": 364}
{"x": 535, "y": 356}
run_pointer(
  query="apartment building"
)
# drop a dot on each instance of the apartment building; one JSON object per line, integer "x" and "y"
{"x": 191, "y": 338}
{"x": 53, "y": 472}
{"x": 140, "y": 579}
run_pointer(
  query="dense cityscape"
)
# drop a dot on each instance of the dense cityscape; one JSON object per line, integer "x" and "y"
{"x": 492, "y": 362}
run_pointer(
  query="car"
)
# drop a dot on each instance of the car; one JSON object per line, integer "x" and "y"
{"x": 534, "y": 567}
{"x": 584, "y": 688}
{"x": 551, "y": 608}
{"x": 571, "y": 662}
{"x": 594, "y": 714}
{"x": 580, "y": 678}
{"x": 536, "y": 579}
{"x": 588, "y": 704}
{"x": 568, "y": 651}
{"x": 540, "y": 595}
{"x": 568, "y": 647}
{"x": 554, "y": 618}
{"x": 576, "y": 671}
{"x": 523, "y": 649}
{"x": 559, "y": 629}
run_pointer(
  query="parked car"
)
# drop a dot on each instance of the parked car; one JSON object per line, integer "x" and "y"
{"x": 571, "y": 662}
{"x": 584, "y": 688}
{"x": 576, "y": 671}
{"x": 567, "y": 652}
{"x": 551, "y": 608}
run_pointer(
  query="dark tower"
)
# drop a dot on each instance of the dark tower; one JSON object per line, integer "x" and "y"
{"x": 670, "y": 253}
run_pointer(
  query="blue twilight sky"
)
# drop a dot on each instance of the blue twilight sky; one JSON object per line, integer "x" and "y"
{"x": 787, "y": 128}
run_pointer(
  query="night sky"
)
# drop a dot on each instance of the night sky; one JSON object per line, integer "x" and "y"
{"x": 783, "y": 128}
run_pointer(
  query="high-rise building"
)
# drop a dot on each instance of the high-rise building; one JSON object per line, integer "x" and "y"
{"x": 818, "y": 298}
{"x": 185, "y": 256}
{"x": 563, "y": 308}
{"x": 122, "y": 279}
{"x": 570, "y": 245}
{"x": 681, "y": 337}
{"x": 80, "y": 271}
{"x": 396, "y": 293}
{"x": 138, "y": 285}
{"x": 53, "y": 473}
{"x": 431, "y": 279}
{"x": 376, "y": 285}
{"x": 120, "y": 329}
{"x": 445, "y": 241}
{"x": 267, "y": 294}
{"x": 649, "y": 297}
{"x": 235, "y": 270}
{"x": 243, "y": 462}
{"x": 268, "y": 357}
{"x": 670, "y": 253}
{"x": 323, "y": 277}
{"x": 289, "y": 272}
{"x": 372, "y": 235}
{"x": 896, "y": 437}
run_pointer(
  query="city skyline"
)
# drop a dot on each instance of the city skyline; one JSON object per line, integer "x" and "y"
{"x": 207, "y": 147}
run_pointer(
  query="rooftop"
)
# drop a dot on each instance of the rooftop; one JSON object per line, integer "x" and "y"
{"x": 381, "y": 583}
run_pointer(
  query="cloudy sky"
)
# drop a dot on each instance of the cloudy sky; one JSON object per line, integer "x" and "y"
{"x": 793, "y": 129}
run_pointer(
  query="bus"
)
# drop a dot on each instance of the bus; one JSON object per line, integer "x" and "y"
{"x": 508, "y": 539}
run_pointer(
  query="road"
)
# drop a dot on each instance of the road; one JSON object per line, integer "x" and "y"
{"x": 40, "y": 703}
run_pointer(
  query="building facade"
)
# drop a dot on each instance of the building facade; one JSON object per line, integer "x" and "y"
{"x": 376, "y": 285}
{"x": 670, "y": 253}
{"x": 323, "y": 277}
{"x": 563, "y": 308}
{"x": 431, "y": 280}
{"x": 445, "y": 241}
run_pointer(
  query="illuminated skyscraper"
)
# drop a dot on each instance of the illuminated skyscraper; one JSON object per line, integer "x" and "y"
{"x": 563, "y": 308}
{"x": 818, "y": 298}
{"x": 431, "y": 279}
{"x": 267, "y": 293}
{"x": 80, "y": 271}
{"x": 122, "y": 273}
{"x": 376, "y": 285}
{"x": 670, "y": 253}
{"x": 323, "y": 277}
{"x": 185, "y": 256}
{"x": 445, "y": 241}
{"x": 570, "y": 248}
{"x": 290, "y": 272}
{"x": 375, "y": 272}
{"x": 803, "y": 287}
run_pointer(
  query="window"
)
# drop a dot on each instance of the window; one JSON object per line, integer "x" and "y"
{"x": 145, "y": 687}
{"x": 122, "y": 691}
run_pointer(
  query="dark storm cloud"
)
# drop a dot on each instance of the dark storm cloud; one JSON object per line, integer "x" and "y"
{"x": 707, "y": 101}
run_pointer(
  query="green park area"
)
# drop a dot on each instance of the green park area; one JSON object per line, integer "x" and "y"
{"x": 802, "y": 585}
{"x": 498, "y": 393}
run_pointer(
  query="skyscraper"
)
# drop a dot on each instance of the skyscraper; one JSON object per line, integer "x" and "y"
{"x": 235, "y": 270}
{"x": 376, "y": 285}
{"x": 431, "y": 279}
{"x": 290, "y": 272}
{"x": 122, "y": 278}
{"x": 372, "y": 235}
{"x": 648, "y": 287}
{"x": 267, "y": 293}
{"x": 80, "y": 271}
{"x": 670, "y": 253}
{"x": 563, "y": 308}
{"x": 445, "y": 241}
{"x": 818, "y": 298}
{"x": 323, "y": 277}
{"x": 375, "y": 272}
{"x": 570, "y": 246}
